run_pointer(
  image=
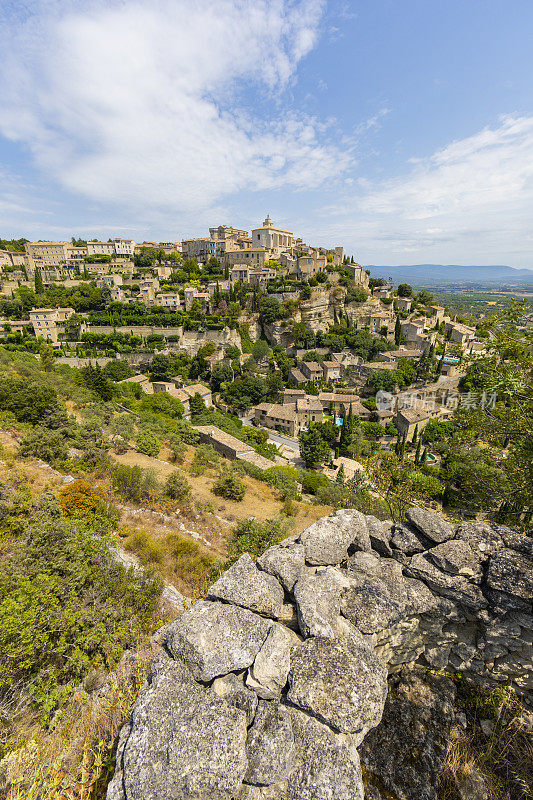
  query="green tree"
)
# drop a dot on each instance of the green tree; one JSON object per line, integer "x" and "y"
{"x": 313, "y": 449}
{"x": 405, "y": 290}
{"x": 160, "y": 368}
{"x": 39, "y": 286}
{"x": 230, "y": 487}
{"x": 48, "y": 357}
{"x": 177, "y": 487}
{"x": 197, "y": 406}
{"x": 397, "y": 331}
{"x": 148, "y": 443}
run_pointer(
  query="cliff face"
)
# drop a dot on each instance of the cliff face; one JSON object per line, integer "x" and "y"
{"x": 275, "y": 687}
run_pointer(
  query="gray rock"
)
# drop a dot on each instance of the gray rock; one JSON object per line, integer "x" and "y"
{"x": 370, "y": 605}
{"x": 327, "y": 766}
{"x": 419, "y": 599}
{"x": 380, "y": 534}
{"x": 269, "y": 672}
{"x": 215, "y": 638}
{"x": 516, "y": 541}
{"x": 471, "y": 784}
{"x": 236, "y": 694}
{"x": 480, "y": 536}
{"x": 167, "y": 754}
{"x": 244, "y": 585}
{"x": 270, "y": 745}
{"x": 457, "y": 558}
{"x": 115, "y": 789}
{"x": 362, "y": 561}
{"x": 405, "y": 754}
{"x": 407, "y": 540}
{"x": 327, "y": 540}
{"x": 318, "y": 603}
{"x": 285, "y": 562}
{"x": 512, "y": 573}
{"x": 341, "y": 682}
{"x": 454, "y": 587}
{"x": 432, "y": 525}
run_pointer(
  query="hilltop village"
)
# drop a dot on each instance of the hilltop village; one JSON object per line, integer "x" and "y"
{"x": 280, "y": 333}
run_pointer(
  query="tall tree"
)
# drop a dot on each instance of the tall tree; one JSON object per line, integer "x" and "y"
{"x": 39, "y": 286}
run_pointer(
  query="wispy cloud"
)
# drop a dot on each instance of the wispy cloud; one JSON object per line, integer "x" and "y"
{"x": 469, "y": 202}
{"x": 172, "y": 104}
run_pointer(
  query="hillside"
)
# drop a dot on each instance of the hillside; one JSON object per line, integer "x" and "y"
{"x": 454, "y": 274}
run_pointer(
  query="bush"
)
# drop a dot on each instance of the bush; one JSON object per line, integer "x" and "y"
{"x": 27, "y": 400}
{"x": 230, "y": 487}
{"x": 284, "y": 480}
{"x": 205, "y": 456}
{"x": 178, "y": 449}
{"x": 79, "y": 499}
{"x": 50, "y": 446}
{"x": 163, "y": 403}
{"x": 177, "y": 487}
{"x": 136, "y": 484}
{"x": 254, "y": 537}
{"x": 148, "y": 444}
{"x": 312, "y": 481}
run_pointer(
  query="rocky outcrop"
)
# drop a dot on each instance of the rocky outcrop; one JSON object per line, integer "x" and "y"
{"x": 275, "y": 686}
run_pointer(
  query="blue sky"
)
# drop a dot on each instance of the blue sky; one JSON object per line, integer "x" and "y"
{"x": 402, "y": 129}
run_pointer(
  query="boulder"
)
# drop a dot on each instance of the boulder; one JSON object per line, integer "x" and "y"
{"x": 520, "y": 542}
{"x": 244, "y": 585}
{"x": 457, "y": 558}
{"x": 318, "y": 603}
{"x": 327, "y": 540}
{"x": 370, "y": 605}
{"x": 405, "y": 754}
{"x": 270, "y": 745}
{"x": 326, "y": 766}
{"x": 380, "y": 535}
{"x": 236, "y": 694}
{"x": 511, "y": 573}
{"x": 454, "y": 587}
{"x": 481, "y": 537}
{"x": 284, "y": 562}
{"x": 269, "y": 672}
{"x": 215, "y": 638}
{"x": 432, "y": 525}
{"x": 408, "y": 540}
{"x": 167, "y": 754}
{"x": 340, "y": 682}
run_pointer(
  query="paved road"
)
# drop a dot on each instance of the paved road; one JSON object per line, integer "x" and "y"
{"x": 277, "y": 438}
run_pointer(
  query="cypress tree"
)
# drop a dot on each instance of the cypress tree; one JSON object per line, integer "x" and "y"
{"x": 417, "y": 454}
{"x": 39, "y": 286}
{"x": 415, "y": 434}
{"x": 402, "y": 446}
{"x": 397, "y": 331}
{"x": 424, "y": 455}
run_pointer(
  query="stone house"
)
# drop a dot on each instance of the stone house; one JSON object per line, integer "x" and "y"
{"x": 311, "y": 370}
{"x": 331, "y": 371}
{"x": 278, "y": 418}
{"x": 408, "y": 419}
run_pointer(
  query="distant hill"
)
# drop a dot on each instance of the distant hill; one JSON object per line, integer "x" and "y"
{"x": 454, "y": 274}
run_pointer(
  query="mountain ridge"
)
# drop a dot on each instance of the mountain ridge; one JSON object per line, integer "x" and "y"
{"x": 430, "y": 274}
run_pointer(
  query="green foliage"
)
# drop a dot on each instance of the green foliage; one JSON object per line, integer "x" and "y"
{"x": 148, "y": 444}
{"x": 162, "y": 403}
{"x": 313, "y": 449}
{"x": 117, "y": 370}
{"x": 196, "y": 406}
{"x": 405, "y": 290}
{"x": 205, "y": 457}
{"x": 312, "y": 481}
{"x": 66, "y": 607}
{"x": 27, "y": 400}
{"x": 284, "y": 480}
{"x": 135, "y": 483}
{"x": 230, "y": 487}
{"x": 177, "y": 487}
{"x": 95, "y": 380}
{"x": 254, "y": 537}
{"x": 48, "y": 445}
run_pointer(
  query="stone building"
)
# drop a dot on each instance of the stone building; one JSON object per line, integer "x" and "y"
{"x": 272, "y": 239}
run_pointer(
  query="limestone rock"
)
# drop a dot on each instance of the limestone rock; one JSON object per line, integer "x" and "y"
{"x": 432, "y": 525}
{"x": 480, "y": 536}
{"x": 327, "y": 540}
{"x": 471, "y": 784}
{"x": 285, "y": 562}
{"x": 168, "y": 755}
{"x": 244, "y": 585}
{"x": 318, "y": 604}
{"x": 511, "y": 573}
{"x": 327, "y": 766}
{"x": 370, "y": 605}
{"x": 455, "y": 587}
{"x": 362, "y": 561}
{"x": 236, "y": 694}
{"x": 269, "y": 672}
{"x": 215, "y": 638}
{"x": 407, "y": 540}
{"x": 380, "y": 535}
{"x": 520, "y": 542}
{"x": 270, "y": 745}
{"x": 407, "y": 750}
{"x": 341, "y": 682}
{"x": 457, "y": 558}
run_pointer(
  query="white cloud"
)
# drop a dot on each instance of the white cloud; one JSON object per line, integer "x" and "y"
{"x": 147, "y": 104}
{"x": 469, "y": 202}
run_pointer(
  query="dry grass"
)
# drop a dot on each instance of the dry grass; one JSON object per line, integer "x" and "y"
{"x": 75, "y": 760}
{"x": 504, "y": 758}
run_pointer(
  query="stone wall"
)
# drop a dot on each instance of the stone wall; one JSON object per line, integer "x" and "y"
{"x": 267, "y": 689}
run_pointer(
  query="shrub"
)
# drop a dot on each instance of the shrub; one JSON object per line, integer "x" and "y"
{"x": 312, "y": 481}
{"x": 230, "y": 487}
{"x": 79, "y": 499}
{"x": 205, "y": 456}
{"x": 177, "y": 487}
{"x": 26, "y": 399}
{"x": 148, "y": 550}
{"x": 163, "y": 403}
{"x": 178, "y": 449}
{"x": 148, "y": 444}
{"x": 254, "y": 537}
{"x": 50, "y": 446}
